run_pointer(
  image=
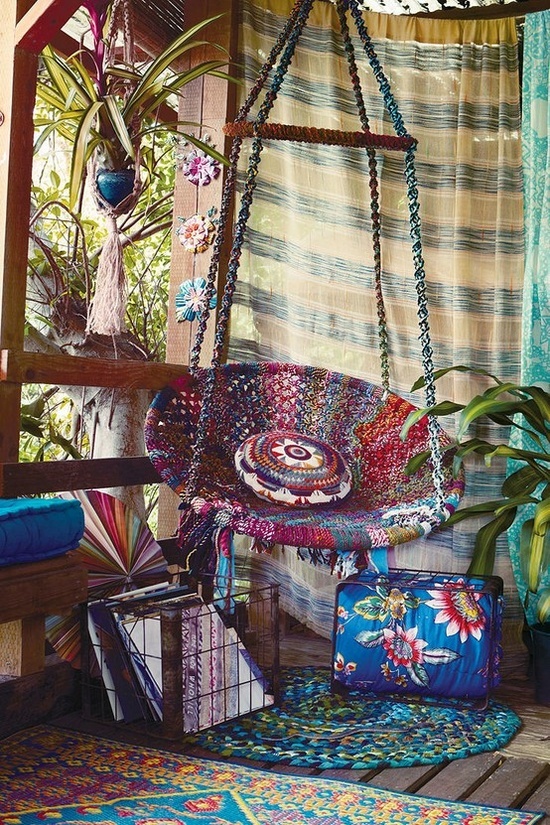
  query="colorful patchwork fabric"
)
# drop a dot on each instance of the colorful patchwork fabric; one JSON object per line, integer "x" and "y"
{"x": 292, "y": 468}
{"x": 385, "y": 507}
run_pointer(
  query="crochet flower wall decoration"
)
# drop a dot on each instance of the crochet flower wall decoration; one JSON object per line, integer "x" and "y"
{"x": 191, "y": 299}
{"x": 199, "y": 168}
{"x": 197, "y": 232}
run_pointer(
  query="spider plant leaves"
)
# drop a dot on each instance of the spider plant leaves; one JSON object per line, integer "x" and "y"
{"x": 119, "y": 125}
{"x": 81, "y": 150}
{"x": 113, "y": 112}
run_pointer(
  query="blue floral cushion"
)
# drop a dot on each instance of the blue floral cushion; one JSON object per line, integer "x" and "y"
{"x": 293, "y": 469}
{"x": 419, "y": 633}
{"x": 33, "y": 529}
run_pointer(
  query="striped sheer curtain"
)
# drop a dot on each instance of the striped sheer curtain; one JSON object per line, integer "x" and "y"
{"x": 305, "y": 291}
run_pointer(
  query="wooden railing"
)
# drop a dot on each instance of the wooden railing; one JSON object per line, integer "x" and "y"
{"x": 18, "y": 368}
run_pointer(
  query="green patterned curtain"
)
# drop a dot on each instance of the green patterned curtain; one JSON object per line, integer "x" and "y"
{"x": 306, "y": 293}
{"x": 535, "y": 128}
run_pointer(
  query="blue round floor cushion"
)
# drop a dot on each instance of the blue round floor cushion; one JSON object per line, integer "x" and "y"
{"x": 292, "y": 468}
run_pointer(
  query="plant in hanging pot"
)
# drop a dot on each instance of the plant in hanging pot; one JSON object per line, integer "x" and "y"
{"x": 106, "y": 106}
{"x": 109, "y": 110}
{"x": 524, "y": 413}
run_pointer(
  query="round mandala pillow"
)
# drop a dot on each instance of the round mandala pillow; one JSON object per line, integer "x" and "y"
{"x": 293, "y": 469}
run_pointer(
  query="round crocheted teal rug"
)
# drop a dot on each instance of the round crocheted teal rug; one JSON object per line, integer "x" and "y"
{"x": 314, "y": 729}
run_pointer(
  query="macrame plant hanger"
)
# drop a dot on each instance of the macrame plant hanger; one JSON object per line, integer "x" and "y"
{"x": 107, "y": 310}
{"x": 209, "y": 519}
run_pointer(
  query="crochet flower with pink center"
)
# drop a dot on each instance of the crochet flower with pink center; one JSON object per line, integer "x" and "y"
{"x": 196, "y": 233}
{"x": 199, "y": 168}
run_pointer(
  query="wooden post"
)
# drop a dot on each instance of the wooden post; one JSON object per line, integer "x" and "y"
{"x": 24, "y": 25}
{"x": 17, "y": 88}
{"x": 210, "y": 101}
{"x": 172, "y": 672}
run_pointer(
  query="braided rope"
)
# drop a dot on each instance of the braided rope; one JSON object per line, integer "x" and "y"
{"x": 121, "y": 19}
{"x": 375, "y": 198}
{"x": 270, "y": 62}
{"x": 378, "y": 291}
{"x": 313, "y": 134}
{"x": 259, "y": 129}
{"x": 293, "y": 31}
{"x": 415, "y": 233}
{"x": 423, "y": 323}
{"x": 382, "y": 80}
{"x": 352, "y": 65}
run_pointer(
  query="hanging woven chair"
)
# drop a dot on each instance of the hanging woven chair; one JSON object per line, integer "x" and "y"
{"x": 195, "y": 426}
{"x": 386, "y": 507}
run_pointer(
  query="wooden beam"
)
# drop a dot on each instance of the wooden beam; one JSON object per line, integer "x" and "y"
{"x": 32, "y": 478}
{"x": 42, "y": 22}
{"x": 41, "y": 588}
{"x": 21, "y": 367}
{"x": 17, "y": 92}
{"x": 492, "y": 11}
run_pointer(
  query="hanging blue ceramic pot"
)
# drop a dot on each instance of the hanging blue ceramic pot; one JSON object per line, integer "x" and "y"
{"x": 115, "y": 184}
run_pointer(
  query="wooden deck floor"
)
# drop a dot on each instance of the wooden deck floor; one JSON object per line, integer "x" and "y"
{"x": 516, "y": 777}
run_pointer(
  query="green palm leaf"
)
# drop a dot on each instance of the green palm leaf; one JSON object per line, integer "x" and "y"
{"x": 483, "y": 558}
{"x": 543, "y": 605}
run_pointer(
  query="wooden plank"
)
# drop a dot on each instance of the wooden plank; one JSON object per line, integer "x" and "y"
{"x": 210, "y": 101}
{"x": 20, "y": 367}
{"x": 510, "y": 784}
{"x": 28, "y": 700}
{"x": 42, "y": 588}
{"x": 491, "y": 11}
{"x": 58, "y": 476}
{"x": 539, "y": 800}
{"x": 404, "y": 779}
{"x": 22, "y": 646}
{"x": 39, "y": 25}
{"x": 17, "y": 91}
{"x": 462, "y": 776}
{"x": 349, "y": 775}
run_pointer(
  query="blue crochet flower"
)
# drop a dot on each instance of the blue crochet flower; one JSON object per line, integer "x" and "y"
{"x": 190, "y": 299}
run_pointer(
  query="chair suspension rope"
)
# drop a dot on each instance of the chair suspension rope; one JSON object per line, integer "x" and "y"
{"x": 293, "y": 32}
{"x": 375, "y": 198}
{"x": 419, "y": 271}
{"x": 230, "y": 184}
{"x": 259, "y": 129}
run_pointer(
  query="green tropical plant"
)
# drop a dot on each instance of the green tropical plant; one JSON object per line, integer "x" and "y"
{"x": 106, "y": 109}
{"x": 525, "y": 411}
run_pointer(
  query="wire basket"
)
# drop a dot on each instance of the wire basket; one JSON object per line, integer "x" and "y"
{"x": 181, "y": 660}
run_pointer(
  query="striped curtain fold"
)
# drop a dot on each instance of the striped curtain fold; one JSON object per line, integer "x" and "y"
{"x": 305, "y": 292}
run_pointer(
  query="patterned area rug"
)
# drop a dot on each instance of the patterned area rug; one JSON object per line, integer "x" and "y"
{"x": 51, "y": 775}
{"x": 315, "y": 729}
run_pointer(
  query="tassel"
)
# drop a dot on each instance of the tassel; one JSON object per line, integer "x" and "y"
{"x": 108, "y": 308}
